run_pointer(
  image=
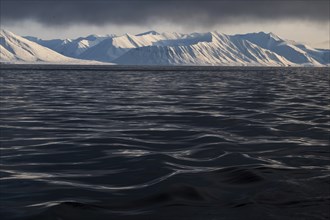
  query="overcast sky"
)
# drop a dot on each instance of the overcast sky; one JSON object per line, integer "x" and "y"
{"x": 301, "y": 20}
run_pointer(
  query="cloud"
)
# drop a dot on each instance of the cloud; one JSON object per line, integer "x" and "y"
{"x": 144, "y": 12}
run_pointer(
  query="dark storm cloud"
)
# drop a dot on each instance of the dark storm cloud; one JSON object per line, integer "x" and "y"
{"x": 137, "y": 12}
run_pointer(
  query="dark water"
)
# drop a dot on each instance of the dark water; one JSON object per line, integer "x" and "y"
{"x": 198, "y": 144}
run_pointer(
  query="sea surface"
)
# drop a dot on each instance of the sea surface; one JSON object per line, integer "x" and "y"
{"x": 187, "y": 143}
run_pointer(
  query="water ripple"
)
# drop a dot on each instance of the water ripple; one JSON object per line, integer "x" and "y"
{"x": 165, "y": 145}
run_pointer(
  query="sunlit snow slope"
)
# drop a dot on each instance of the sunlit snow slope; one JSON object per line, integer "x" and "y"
{"x": 16, "y": 49}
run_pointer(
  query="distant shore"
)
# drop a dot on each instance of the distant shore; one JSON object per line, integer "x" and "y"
{"x": 110, "y": 67}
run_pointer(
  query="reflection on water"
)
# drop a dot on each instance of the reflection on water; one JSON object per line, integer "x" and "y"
{"x": 172, "y": 144}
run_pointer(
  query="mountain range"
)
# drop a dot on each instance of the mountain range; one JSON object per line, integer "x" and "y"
{"x": 153, "y": 48}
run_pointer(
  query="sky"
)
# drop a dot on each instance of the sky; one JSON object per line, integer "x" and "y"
{"x": 301, "y": 20}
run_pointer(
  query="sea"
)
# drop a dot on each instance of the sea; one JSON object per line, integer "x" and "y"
{"x": 156, "y": 143}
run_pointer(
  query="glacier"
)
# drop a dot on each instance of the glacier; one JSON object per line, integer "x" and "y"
{"x": 169, "y": 48}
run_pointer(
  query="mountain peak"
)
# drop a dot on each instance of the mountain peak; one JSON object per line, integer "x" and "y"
{"x": 216, "y": 33}
{"x": 274, "y": 36}
{"x": 269, "y": 35}
{"x": 92, "y": 37}
{"x": 148, "y": 33}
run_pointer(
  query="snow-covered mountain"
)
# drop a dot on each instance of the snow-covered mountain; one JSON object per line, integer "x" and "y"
{"x": 203, "y": 49}
{"x": 213, "y": 48}
{"x": 153, "y": 48}
{"x": 71, "y": 47}
{"x": 16, "y": 49}
{"x": 112, "y": 48}
{"x": 296, "y": 53}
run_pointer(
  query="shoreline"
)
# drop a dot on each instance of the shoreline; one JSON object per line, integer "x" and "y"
{"x": 111, "y": 67}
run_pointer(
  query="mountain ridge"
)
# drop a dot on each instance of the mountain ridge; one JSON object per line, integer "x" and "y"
{"x": 169, "y": 48}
